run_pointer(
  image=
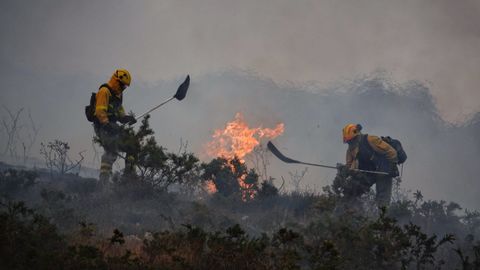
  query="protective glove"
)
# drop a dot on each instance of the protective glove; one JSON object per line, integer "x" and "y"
{"x": 393, "y": 172}
{"x": 344, "y": 169}
{"x": 130, "y": 119}
{"x": 112, "y": 127}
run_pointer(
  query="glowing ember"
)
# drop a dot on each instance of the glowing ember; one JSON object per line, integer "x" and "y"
{"x": 210, "y": 187}
{"x": 237, "y": 139}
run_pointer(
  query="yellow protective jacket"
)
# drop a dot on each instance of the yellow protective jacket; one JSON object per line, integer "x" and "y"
{"x": 108, "y": 105}
{"x": 380, "y": 147}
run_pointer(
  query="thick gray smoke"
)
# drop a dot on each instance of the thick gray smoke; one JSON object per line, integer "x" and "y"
{"x": 441, "y": 156}
{"x": 441, "y": 162}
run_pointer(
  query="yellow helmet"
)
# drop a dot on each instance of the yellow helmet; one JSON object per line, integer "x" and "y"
{"x": 123, "y": 76}
{"x": 350, "y": 131}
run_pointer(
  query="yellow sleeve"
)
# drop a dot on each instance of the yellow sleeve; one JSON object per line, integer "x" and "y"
{"x": 383, "y": 148}
{"x": 101, "y": 105}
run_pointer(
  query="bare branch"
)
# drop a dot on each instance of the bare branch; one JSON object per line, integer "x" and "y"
{"x": 182, "y": 149}
{"x": 56, "y": 157}
{"x": 297, "y": 177}
{"x": 260, "y": 160}
{"x": 11, "y": 128}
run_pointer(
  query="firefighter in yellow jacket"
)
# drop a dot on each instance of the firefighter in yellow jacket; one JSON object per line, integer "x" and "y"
{"x": 371, "y": 153}
{"x": 109, "y": 110}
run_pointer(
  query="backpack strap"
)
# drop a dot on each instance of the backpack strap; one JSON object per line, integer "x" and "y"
{"x": 366, "y": 155}
{"x": 112, "y": 93}
{"x": 365, "y": 149}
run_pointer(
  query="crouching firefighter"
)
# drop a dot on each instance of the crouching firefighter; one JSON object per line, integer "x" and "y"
{"x": 109, "y": 111}
{"x": 371, "y": 153}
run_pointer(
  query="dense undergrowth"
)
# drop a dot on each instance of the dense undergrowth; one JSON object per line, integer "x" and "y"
{"x": 74, "y": 223}
{"x": 162, "y": 217}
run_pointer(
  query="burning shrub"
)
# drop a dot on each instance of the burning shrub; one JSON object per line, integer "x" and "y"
{"x": 220, "y": 171}
{"x": 230, "y": 146}
{"x": 231, "y": 177}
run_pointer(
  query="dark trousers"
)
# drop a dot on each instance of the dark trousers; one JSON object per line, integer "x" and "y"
{"x": 383, "y": 187}
{"x": 109, "y": 142}
{"x": 113, "y": 143}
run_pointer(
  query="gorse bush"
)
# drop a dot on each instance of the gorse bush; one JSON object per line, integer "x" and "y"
{"x": 149, "y": 163}
{"x": 29, "y": 241}
{"x": 227, "y": 175}
{"x": 157, "y": 215}
{"x": 12, "y": 181}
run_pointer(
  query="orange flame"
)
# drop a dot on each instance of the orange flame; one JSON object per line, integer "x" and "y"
{"x": 237, "y": 139}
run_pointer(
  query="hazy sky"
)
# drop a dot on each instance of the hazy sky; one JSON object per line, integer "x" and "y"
{"x": 433, "y": 41}
{"x": 54, "y": 53}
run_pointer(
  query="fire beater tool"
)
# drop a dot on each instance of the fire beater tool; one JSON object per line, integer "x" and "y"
{"x": 285, "y": 159}
{"x": 179, "y": 95}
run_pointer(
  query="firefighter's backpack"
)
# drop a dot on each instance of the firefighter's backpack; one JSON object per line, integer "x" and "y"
{"x": 90, "y": 108}
{"x": 397, "y": 145}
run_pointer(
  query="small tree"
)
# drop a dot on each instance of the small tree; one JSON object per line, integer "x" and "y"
{"x": 149, "y": 163}
{"x": 31, "y": 138}
{"x": 260, "y": 160}
{"x": 12, "y": 128}
{"x": 57, "y": 159}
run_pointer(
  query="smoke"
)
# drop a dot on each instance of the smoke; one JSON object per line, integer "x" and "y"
{"x": 441, "y": 156}
{"x": 54, "y": 53}
{"x": 434, "y": 41}
{"x": 441, "y": 159}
